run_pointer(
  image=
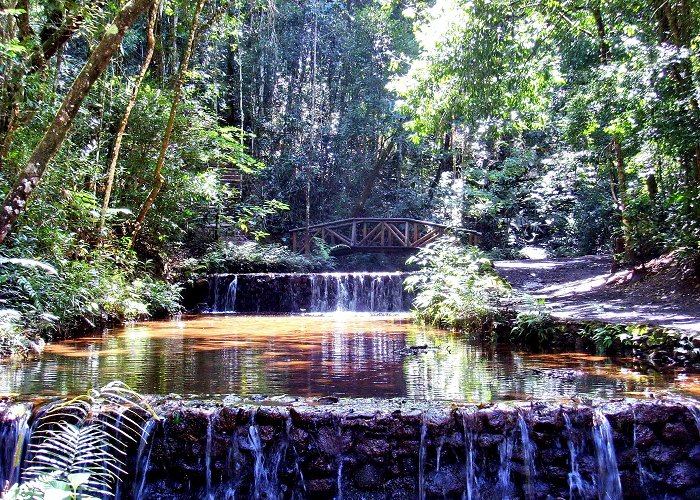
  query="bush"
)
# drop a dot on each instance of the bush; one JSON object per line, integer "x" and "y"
{"x": 255, "y": 257}
{"x": 456, "y": 286}
{"x": 68, "y": 295}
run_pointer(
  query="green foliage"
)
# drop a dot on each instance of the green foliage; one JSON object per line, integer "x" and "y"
{"x": 76, "y": 451}
{"x": 535, "y": 327}
{"x": 252, "y": 257}
{"x": 456, "y": 286}
{"x": 606, "y": 336}
{"x": 45, "y": 300}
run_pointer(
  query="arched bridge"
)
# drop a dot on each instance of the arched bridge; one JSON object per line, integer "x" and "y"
{"x": 373, "y": 234}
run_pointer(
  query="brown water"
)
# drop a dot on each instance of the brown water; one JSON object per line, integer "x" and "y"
{"x": 341, "y": 355}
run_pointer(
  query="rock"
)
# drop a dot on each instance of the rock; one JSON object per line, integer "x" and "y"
{"x": 501, "y": 420}
{"x": 369, "y": 476}
{"x": 676, "y": 432}
{"x": 324, "y": 487}
{"x": 683, "y": 475}
{"x": 444, "y": 483}
{"x": 694, "y": 454}
{"x": 661, "y": 455}
{"x": 327, "y": 400}
{"x": 490, "y": 440}
{"x": 644, "y": 436}
{"x": 652, "y": 413}
{"x": 373, "y": 448}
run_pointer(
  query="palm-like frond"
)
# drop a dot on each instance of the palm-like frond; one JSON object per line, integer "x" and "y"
{"x": 87, "y": 436}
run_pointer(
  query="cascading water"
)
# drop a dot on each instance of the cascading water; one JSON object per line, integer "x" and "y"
{"x": 143, "y": 459}
{"x": 339, "y": 480}
{"x": 345, "y": 453}
{"x": 528, "y": 448}
{"x": 14, "y": 436}
{"x": 578, "y": 488}
{"x": 422, "y": 452}
{"x": 471, "y": 490}
{"x": 313, "y": 293}
{"x": 207, "y": 459}
{"x": 608, "y": 477}
{"x": 261, "y": 480}
{"x": 438, "y": 453}
{"x": 505, "y": 457}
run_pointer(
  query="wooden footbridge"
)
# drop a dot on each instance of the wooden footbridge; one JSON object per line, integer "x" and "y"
{"x": 373, "y": 235}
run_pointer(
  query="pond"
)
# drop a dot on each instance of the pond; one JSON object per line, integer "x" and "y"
{"x": 341, "y": 354}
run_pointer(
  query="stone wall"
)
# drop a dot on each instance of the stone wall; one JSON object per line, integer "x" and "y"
{"x": 388, "y": 449}
{"x": 354, "y": 450}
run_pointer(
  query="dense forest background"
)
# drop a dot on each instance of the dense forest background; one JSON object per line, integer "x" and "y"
{"x": 573, "y": 125}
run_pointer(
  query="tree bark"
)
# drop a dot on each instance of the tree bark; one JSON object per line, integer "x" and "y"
{"x": 622, "y": 199}
{"x": 158, "y": 179}
{"x": 127, "y": 113}
{"x": 17, "y": 198}
{"x": 382, "y": 157}
{"x": 605, "y": 54}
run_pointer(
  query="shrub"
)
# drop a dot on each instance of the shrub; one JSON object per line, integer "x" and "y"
{"x": 456, "y": 285}
{"x": 254, "y": 257}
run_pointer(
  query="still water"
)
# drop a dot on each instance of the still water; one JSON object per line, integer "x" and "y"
{"x": 346, "y": 355}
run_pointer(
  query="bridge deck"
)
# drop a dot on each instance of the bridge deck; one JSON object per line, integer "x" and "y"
{"x": 373, "y": 234}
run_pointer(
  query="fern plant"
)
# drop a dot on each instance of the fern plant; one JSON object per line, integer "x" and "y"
{"x": 78, "y": 447}
{"x": 456, "y": 286}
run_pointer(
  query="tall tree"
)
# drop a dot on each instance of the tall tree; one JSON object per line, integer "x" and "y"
{"x": 158, "y": 178}
{"x": 17, "y": 198}
{"x": 127, "y": 113}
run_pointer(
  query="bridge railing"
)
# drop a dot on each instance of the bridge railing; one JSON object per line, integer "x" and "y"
{"x": 373, "y": 234}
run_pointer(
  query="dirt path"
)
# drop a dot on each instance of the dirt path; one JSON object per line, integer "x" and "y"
{"x": 583, "y": 288}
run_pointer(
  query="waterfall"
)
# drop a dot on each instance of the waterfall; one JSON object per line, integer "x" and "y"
{"x": 695, "y": 412}
{"x": 15, "y": 434}
{"x": 422, "y": 451}
{"x": 297, "y": 469}
{"x": 339, "y": 480}
{"x": 207, "y": 458}
{"x": 576, "y": 482}
{"x": 316, "y": 293}
{"x": 471, "y": 490}
{"x": 231, "y": 295}
{"x": 608, "y": 478}
{"x": 143, "y": 459}
{"x": 438, "y": 454}
{"x": 261, "y": 481}
{"x": 528, "y": 456}
{"x": 505, "y": 456}
{"x": 640, "y": 466}
{"x": 342, "y": 302}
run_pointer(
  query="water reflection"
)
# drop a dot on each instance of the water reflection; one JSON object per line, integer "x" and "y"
{"x": 343, "y": 355}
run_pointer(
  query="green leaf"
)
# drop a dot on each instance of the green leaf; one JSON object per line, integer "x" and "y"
{"x": 78, "y": 479}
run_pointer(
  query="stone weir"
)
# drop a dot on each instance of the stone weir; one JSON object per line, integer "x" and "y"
{"x": 399, "y": 450}
{"x": 295, "y": 293}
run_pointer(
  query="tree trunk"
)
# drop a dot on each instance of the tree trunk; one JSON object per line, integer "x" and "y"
{"x": 444, "y": 163}
{"x": 16, "y": 199}
{"x": 605, "y": 54}
{"x": 622, "y": 199}
{"x": 157, "y": 174}
{"x": 127, "y": 112}
{"x": 382, "y": 157}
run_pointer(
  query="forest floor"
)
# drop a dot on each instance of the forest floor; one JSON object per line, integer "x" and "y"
{"x": 662, "y": 292}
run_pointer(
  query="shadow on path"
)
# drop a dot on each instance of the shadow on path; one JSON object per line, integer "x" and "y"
{"x": 580, "y": 288}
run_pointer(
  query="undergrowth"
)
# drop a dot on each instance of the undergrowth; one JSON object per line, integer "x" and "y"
{"x": 41, "y": 300}
{"x": 657, "y": 345}
{"x": 256, "y": 257}
{"x": 456, "y": 286}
